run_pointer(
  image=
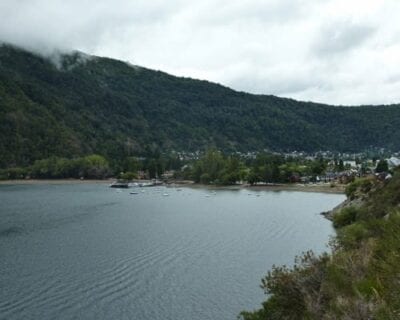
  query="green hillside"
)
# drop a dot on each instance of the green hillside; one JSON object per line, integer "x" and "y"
{"x": 83, "y": 105}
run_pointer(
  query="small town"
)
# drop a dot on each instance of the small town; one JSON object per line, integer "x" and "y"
{"x": 339, "y": 168}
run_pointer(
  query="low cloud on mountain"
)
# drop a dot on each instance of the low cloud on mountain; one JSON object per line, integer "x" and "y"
{"x": 332, "y": 51}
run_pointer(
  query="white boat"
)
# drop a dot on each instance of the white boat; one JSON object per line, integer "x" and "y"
{"x": 119, "y": 184}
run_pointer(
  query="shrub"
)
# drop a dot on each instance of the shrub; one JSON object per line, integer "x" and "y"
{"x": 349, "y": 237}
{"x": 363, "y": 185}
{"x": 351, "y": 190}
{"x": 345, "y": 217}
{"x": 14, "y": 173}
{"x": 205, "y": 178}
{"x": 128, "y": 176}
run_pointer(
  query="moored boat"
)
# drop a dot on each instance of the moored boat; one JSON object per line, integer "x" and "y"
{"x": 119, "y": 184}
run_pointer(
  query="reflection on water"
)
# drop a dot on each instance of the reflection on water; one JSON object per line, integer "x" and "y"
{"x": 83, "y": 251}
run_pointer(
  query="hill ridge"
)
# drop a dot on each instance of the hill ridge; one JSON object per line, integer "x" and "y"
{"x": 107, "y": 107}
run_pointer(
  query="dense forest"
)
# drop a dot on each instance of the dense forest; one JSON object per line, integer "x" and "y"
{"x": 360, "y": 278}
{"x": 75, "y": 105}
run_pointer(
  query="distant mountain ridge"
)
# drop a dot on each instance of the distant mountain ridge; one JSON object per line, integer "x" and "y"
{"x": 81, "y": 104}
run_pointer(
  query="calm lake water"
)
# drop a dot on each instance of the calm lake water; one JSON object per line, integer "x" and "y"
{"x": 86, "y": 251}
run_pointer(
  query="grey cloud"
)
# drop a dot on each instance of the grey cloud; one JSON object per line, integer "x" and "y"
{"x": 285, "y": 85}
{"x": 393, "y": 78}
{"x": 341, "y": 36}
{"x": 306, "y": 49}
{"x": 274, "y": 11}
{"x": 46, "y": 26}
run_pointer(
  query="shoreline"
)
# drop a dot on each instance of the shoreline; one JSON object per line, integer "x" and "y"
{"x": 317, "y": 188}
{"x": 324, "y": 188}
{"x": 55, "y": 181}
{"x": 321, "y": 187}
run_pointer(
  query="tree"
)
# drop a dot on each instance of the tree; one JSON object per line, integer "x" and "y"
{"x": 382, "y": 166}
{"x": 131, "y": 164}
{"x": 341, "y": 165}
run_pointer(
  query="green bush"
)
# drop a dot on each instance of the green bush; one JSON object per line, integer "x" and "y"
{"x": 366, "y": 185}
{"x": 363, "y": 185}
{"x": 345, "y": 217}
{"x": 351, "y": 190}
{"x": 205, "y": 178}
{"x": 128, "y": 176}
{"x": 13, "y": 173}
{"x": 349, "y": 237}
{"x": 3, "y": 175}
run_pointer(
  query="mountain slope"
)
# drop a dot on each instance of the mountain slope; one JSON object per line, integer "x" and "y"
{"x": 83, "y": 104}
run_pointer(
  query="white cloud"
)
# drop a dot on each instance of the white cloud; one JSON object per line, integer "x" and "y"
{"x": 333, "y": 51}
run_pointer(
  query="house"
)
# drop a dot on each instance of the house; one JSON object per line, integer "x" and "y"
{"x": 142, "y": 175}
{"x": 168, "y": 175}
{"x": 295, "y": 177}
{"x": 305, "y": 179}
{"x": 347, "y": 176}
{"x": 393, "y": 162}
{"x": 350, "y": 164}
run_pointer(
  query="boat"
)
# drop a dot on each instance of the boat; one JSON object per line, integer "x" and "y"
{"x": 119, "y": 184}
{"x": 134, "y": 192}
{"x": 152, "y": 183}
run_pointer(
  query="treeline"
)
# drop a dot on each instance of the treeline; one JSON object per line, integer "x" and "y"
{"x": 216, "y": 168}
{"x": 359, "y": 279}
{"x": 89, "y": 167}
{"x": 94, "y": 167}
{"x": 153, "y": 166}
{"x": 276, "y": 168}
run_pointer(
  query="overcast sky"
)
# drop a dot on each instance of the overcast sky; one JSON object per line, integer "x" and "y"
{"x": 332, "y": 51}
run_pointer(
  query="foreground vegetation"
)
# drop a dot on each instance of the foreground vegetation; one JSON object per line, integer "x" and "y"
{"x": 80, "y": 105}
{"x": 360, "y": 279}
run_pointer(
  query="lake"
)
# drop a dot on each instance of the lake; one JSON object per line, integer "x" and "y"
{"x": 86, "y": 251}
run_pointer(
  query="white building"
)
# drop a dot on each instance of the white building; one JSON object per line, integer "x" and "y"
{"x": 393, "y": 162}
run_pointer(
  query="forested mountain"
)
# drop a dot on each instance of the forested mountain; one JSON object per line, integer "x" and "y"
{"x": 78, "y": 105}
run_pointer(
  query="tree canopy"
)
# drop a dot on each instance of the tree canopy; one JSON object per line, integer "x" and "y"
{"x": 89, "y": 105}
